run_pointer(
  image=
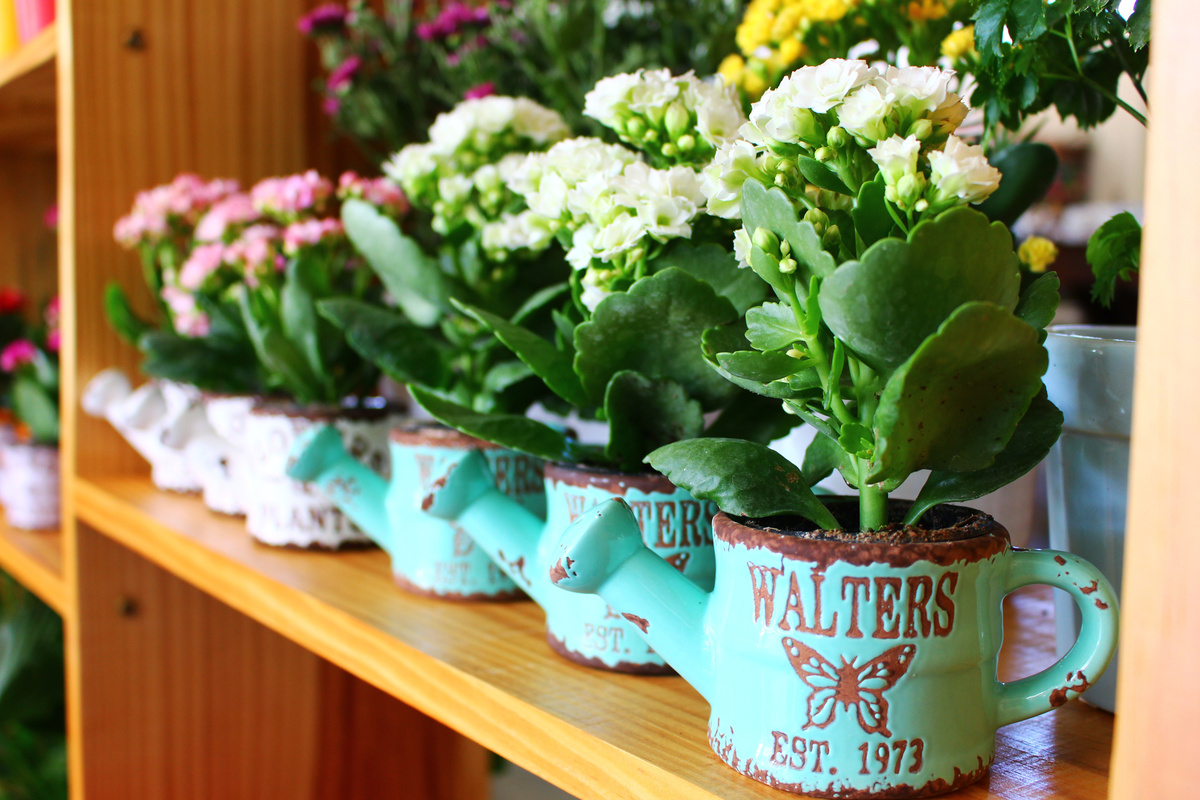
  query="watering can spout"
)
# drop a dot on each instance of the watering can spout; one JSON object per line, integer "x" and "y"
{"x": 467, "y": 496}
{"x": 319, "y": 456}
{"x": 603, "y": 553}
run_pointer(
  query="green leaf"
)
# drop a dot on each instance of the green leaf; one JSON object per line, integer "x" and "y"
{"x": 770, "y": 209}
{"x": 655, "y": 328}
{"x": 413, "y": 279}
{"x": 34, "y": 405}
{"x": 516, "y": 432}
{"x": 548, "y": 362}
{"x": 1114, "y": 252}
{"x": 822, "y": 457}
{"x": 537, "y": 300}
{"x": 772, "y": 326}
{"x": 885, "y": 305}
{"x": 717, "y": 267}
{"x": 856, "y": 440}
{"x": 505, "y": 374}
{"x": 743, "y": 478}
{"x": 645, "y": 414}
{"x": 1139, "y": 25}
{"x": 124, "y": 320}
{"x": 1027, "y": 171}
{"x": 872, "y": 221}
{"x": 298, "y": 312}
{"x": 1031, "y": 441}
{"x": 285, "y": 365}
{"x": 211, "y": 364}
{"x": 954, "y": 404}
{"x": 821, "y": 176}
{"x": 1039, "y": 301}
{"x": 753, "y": 417}
{"x": 760, "y": 367}
{"x": 766, "y": 266}
{"x": 404, "y": 352}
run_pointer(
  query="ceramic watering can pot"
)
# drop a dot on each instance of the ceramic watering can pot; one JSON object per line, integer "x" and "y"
{"x": 430, "y": 556}
{"x": 847, "y": 669}
{"x": 676, "y": 528}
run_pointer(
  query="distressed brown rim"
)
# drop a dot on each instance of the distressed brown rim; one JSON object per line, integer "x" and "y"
{"x": 611, "y": 481}
{"x": 982, "y": 538}
{"x": 435, "y": 434}
{"x": 627, "y": 667}
{"x": 366, "y": 409}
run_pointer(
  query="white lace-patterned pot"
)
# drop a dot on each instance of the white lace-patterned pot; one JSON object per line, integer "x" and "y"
{"x": 157, "y": 419}
{"x": 217, "y": 458}
{"x": 285, "y": 512}
{"x": 30, "y": 486}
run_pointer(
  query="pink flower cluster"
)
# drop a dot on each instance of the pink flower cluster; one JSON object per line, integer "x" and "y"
{"x": 379, "y": 192}
{"x": 291, "y": 196}
{"x": 190, "y": 320}
{"x": 256, "y": 250}
{"x": 236, "y": 209}
{"x": 21, "y": 351}
{"x": 342, "y": 76}
{"x": 482, "y": 90}
{"x": 453, "y": 18}
{"x": 180, "y": 203}
{"x": 328, "y": 18}
{"x": 309, "y": 232}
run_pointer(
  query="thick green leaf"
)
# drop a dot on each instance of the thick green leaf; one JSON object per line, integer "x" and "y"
{"x": 121, "y": 316}
{"x": 413, "y": 279}
{"x": 1027, "y": 171}
{"x": 1139, "y": 25}
{"x": 743, "y": 478}
{"x": 766, "y": 266}
{"x": 954, "y": 405}
{"x": 403, "y": 351}
{"x": 885, "y": 305}
{"x": 298, "y": 311}
{"x": 731, "y": 338}
{"x": 1114, "y": 252}
{"x": 770, "y": 209}
{"x": 655, "y": 328}
{"x": 760, "y": 367}
{"x": 1031, "y": 441}
{"x": 872, "y": 221}
{"x": 822, "y": 457}
{"x": 37, "y": 408}
{"x": 717, "y": 267}
{"x": 753, "y": 417}
{"x": 505, "y": 374}
{"x": 645, "y": 414}
{"x": 285, "y": 366}
{"x": 211, "y": 364}
{"x": 821, "y": 176}
{"x": 516, "y": 432}
{"x": 537, "y": 300}
{"x": 772, "y": 326}
{"x": 1039, "y": 301}
{"x": 547, "y": 362}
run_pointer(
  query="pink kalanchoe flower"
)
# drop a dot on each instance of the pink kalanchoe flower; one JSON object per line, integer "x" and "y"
{"x": 54, "y": 341}
{"x": 331, "y": 106}
{"x": 291, "y": 195}
{"x": 236, "y": 209}
{"x": 310, "y": 232}
{"x": 323, "y": 19}
{"x": 203, "y": 262}
{"x": 189, "y": 319}
{"x": 482, "y": 90}
{"x": 50, "y": 218}
{"x": 379, "y": 192}
{"x": 180, "y": 202}
{"x": 52, "y": 312}
{"x": 342, "y": 76}
{"x": 21, "y": 351}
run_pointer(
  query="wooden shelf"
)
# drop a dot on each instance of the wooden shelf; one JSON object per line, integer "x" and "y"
{"x": 34, "y": 558}
{"x": 27, "y": 95}
{"x": 485, "y": 670}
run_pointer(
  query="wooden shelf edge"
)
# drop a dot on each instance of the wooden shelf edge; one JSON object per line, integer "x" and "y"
{"x": 34, "y": 559}
{"x": 473, "y": 707}
{"x": 39, "y": 50}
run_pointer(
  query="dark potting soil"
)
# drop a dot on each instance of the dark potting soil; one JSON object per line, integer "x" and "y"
{"x": 939, "y": 524}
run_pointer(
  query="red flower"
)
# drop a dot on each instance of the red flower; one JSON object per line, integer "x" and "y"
{"x": 11, "y": 300}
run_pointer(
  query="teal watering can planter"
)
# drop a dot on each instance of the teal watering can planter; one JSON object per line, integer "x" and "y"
{"x": 674, "y": 527}
{"x": 846, "y": 669}
{"x": 430, "y": 556}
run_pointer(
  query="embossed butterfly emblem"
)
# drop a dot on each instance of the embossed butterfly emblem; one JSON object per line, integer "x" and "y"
{"x": 849, "y": 685}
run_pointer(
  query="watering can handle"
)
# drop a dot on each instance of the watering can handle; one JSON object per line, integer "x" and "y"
{"x": 1072, "y": 674}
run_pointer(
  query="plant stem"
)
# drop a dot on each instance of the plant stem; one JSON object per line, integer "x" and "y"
{"x": 1133, "y": 112}
{"x": 872, "y": 507}
{"x": 817, "y": 351}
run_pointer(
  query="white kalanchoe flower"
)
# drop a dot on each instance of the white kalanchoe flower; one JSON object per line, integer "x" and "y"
{"x": 961, "y": 173}
{"x": 718, "y": 110}
{"x": 547, "y": 180}
{"x": 824, "y": 86}
{"x": 742, "y": 246}
{"x": 528, "y": 231}
{"x": 918, "y": 90}
{"x": 722, "y": 180}
{"x": 949, "y": 115}
{"x": 866, "y": 115}
{"x": 896, "y": 157}
{"x": 537, "y": 123}
{"x": 608, "y": 101}
{"x": 592, "y": 293}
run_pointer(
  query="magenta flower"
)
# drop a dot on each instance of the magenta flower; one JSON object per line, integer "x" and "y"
{"x": 21, "y": 351}
{"x": 328, "y": 18}
{"x": 50, "y": 218}
{"x": 482, "y": 90}
{"x": 342, "y": 77}
{"x": 54, "y": 341}
{"x": 332, "y": 106}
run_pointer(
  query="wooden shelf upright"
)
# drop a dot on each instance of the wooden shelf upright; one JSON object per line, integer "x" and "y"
{"x": 200, "y": 665}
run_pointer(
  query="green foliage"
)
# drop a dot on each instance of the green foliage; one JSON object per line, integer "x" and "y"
{"x": 644, "y": 414}
{"x": 403, "y": 351}
{"x": 1028, "y": 170}
{"x": 36, "y": 404}
{"x": 1114, "y": 252}
{"x": 717, "y": 267}
{"x": 743, "y": 478}
{"x": 124, "y": 320}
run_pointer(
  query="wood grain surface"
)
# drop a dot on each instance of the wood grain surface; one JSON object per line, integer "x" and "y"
{"x": 485, "y": 670}
{"x": 34, "y": 558}
{"x": 27, "y": 96}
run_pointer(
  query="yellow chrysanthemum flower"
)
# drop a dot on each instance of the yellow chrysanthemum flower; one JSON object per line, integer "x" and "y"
{"x": 786, "y": 22}
{"x": 790, "y": 51}
{"x": 1037, "y": 252}
{"x": 755, "y": 28}
{"x": 959, "y": 43}
{"x": 921, "y": 10}
{"x": 826, "y": 10}
{"x": 732, "y": 68}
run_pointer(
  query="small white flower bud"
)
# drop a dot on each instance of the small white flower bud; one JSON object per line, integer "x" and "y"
{"x": 788, "y": 265}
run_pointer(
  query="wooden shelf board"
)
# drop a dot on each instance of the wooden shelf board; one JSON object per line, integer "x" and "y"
{"x": 485, "y": 670}
{"x": 34, "y": 559}
{"x": 28, "y": 89}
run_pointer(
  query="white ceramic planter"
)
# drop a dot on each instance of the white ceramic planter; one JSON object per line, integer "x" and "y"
{"x": 284, "y": 512}
{"x": 30, "y": 486}
{"x": 157, "y": 419}
{"x": 217, "y": 458}
{"x": 1087, "y": 472}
